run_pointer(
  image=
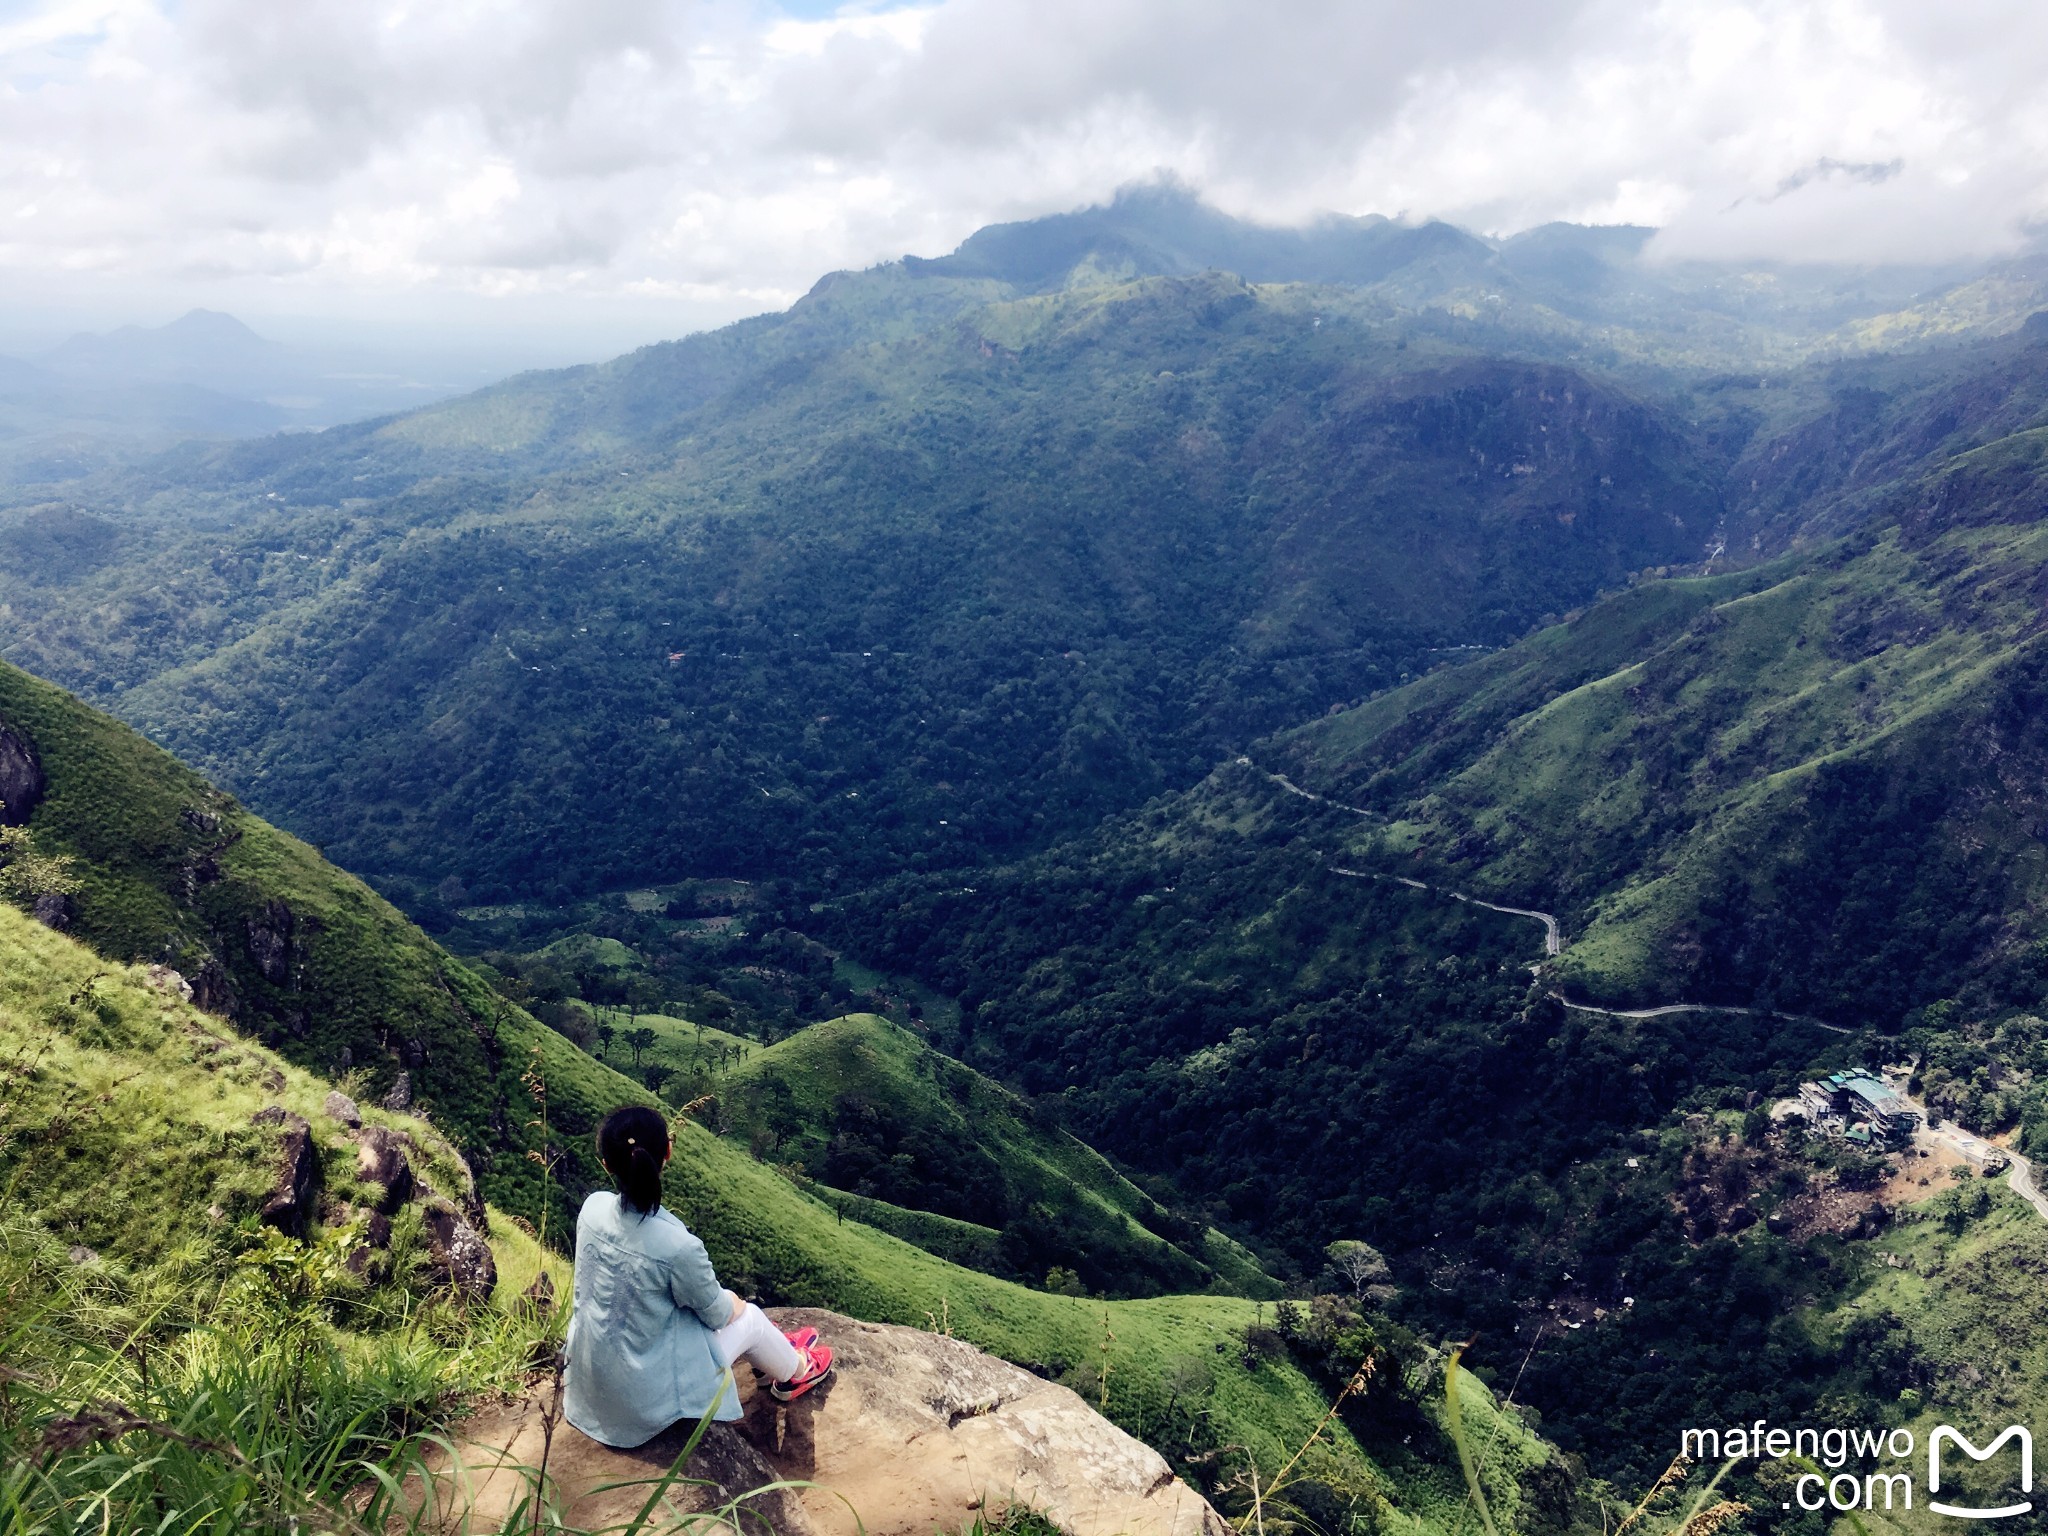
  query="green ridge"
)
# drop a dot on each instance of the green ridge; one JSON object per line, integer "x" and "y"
{"x": 866, "y": 1106}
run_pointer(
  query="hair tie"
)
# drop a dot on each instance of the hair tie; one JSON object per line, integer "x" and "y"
{"x": 631, "y": 1142}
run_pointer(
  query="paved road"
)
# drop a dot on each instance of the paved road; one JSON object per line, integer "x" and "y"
{"x": 1662, "y": 1009}
{"x": 1975, "y": 1150}
{"x": 1553, "y": 936}
{"x": 2023, "y": 1185}
{"x": 1295, "y": 789}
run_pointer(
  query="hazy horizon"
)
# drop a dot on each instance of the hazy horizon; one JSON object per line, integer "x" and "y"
{"x": 523, "y": 186}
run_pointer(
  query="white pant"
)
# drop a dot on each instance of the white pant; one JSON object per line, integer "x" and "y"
{"x": 753, "y": 1335}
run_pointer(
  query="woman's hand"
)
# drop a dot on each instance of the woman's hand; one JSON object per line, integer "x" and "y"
{"x": 738, "y": 1306}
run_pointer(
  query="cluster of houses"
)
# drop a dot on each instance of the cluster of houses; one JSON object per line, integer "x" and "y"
{"x": 1858, "y": 1107}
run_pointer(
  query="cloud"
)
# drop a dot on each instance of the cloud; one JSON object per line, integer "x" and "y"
{"x": 729, "y": 153}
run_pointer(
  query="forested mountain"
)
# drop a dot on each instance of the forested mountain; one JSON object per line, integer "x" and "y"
{"x": 1110, "y": 650}
{"x": 1811, "y": 784}
{"x": 1804, "y": 787}
{"x": 929, "y": 602}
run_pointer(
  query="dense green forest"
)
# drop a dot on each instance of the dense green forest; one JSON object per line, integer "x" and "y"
{"x": 932, "y": 602}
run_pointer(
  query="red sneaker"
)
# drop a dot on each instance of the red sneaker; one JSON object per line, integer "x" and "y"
{"x": 817, "y": 1366}
{"x": 803, "y": 1338}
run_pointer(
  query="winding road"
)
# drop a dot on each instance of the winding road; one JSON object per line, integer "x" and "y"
{"x": 1553, "y": 936}
{"x": 1553, "y": 933}
{"x": 1973, "y": 1149}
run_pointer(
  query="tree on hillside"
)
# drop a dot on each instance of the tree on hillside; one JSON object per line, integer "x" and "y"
{"x": 1363, "y": 1267}
{"x": 641, "y": 1039}
{"x": 654, "y": 1074}
{"x": 605, "y": 1035}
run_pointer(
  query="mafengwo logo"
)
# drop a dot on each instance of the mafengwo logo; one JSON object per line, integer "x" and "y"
{"x": 1887, "y": 1486}
{"x": 1943, "y": 1434}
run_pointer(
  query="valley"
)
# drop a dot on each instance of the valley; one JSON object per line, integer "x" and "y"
{"x": 1226, "y": 818}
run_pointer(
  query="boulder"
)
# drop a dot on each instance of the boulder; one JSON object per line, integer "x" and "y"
{"x": 381, "y": 1161}
{"x": 460, "y": 1256}
{"x": 21, "y": 778}
{"x": 914, "y": 1432}
{"x": 289, "y": 1206}
{"x": 54, "y": 909}
{"x": 340, "y": 1106}
{"x": 164, "y": 979}
{"x": 488, "y": 1480}
{"x": 399, "y": 1099}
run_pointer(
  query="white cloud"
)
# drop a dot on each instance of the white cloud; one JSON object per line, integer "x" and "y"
{"x": 725, "y": 154}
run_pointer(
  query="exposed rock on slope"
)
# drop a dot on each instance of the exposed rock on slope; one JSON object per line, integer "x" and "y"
{"x": 21, "y": 778}
{"x": 915, "y": 1432}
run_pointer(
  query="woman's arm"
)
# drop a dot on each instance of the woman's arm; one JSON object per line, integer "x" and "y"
{"x": 694, "y": 1285}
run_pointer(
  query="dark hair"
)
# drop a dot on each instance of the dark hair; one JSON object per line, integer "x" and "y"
{"x": 633, "y": 1141}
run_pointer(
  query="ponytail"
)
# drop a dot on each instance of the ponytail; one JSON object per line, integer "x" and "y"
{"x": 633, "y": 1142}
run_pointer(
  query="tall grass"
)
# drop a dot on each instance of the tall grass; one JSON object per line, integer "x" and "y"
{"x": 199, "y": 1399}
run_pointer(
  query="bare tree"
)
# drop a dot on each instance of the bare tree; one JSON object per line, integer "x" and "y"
{"x": 1362, "y": 1267}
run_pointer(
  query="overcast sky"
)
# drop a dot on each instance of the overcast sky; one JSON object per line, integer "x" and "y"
{"x": 622, "y": 169}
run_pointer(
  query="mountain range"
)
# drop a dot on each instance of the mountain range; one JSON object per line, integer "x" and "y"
{"x": 1155, "y": 746}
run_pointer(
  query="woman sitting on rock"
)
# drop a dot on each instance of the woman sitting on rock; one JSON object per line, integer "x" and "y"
{"x": 654, "y": 1335}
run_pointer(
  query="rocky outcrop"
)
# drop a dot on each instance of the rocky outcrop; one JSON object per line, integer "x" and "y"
{"x": 21, "y": 778}
{"x": 211, "y": 988}
{"x": 399, "y": 1099}
{"x": 164, "y": 979}
{"x": 290, "y": 1205}
{"x": 914, "y": 1432}
{"x": 593, "y": 1487}
{"x": 342, "y": 1108}
{"x": 919, "y": 1431}
{"x": 382, "y": 1163}
{"x": 270, "y": 942}
{"x": 54, "y": 909}
{"x": 460, "y": 1257}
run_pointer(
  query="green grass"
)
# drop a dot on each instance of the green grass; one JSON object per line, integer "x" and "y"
{"x": 127, "y": 1112}
{"x": 133, "y": 1121}
{"x": 935, "y": 1134}
{"x": 125, "y": 1120}
{"x": 689, "y": 1047}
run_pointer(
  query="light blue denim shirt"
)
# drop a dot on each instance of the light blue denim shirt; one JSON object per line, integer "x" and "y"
{"x": 639, "y": 1345}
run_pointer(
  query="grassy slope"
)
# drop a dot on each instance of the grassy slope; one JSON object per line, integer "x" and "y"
{"x": 175, "y": 871}
{"x": 126, "y": 1116}
{"x": 1965, "y": 1318}
{"x": 1833, "y": 747}
{"x": 172, "y": 1129}
{"x": 795, "y": 1090}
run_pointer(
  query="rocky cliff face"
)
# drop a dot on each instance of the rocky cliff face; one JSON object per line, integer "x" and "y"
{"x": 914, "y": 1432}
{"x": 21, "y": 778}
